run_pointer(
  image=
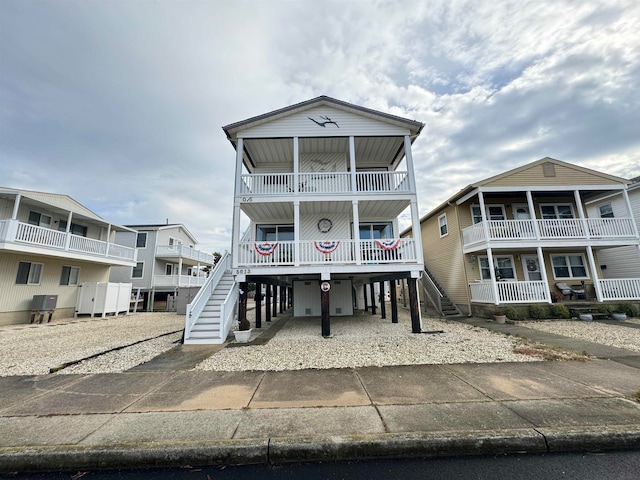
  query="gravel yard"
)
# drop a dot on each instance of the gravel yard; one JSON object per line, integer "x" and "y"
{"x": 611, "y": 335}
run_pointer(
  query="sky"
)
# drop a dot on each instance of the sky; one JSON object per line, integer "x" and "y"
{"x": 120, "y": 104}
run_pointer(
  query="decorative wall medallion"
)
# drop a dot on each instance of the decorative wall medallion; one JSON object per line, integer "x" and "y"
{"x": 324, "y": 225}
{"x": 324, "y": 124}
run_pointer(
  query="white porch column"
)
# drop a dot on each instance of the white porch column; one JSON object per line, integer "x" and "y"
{"x": 356, "y": 231}
{"x": 296, "y": 166}
{"x": 67, "y": 240}
{"x": 532, "y": 214}
{"x": 106, "y": 250}
{"x": 415, "y": 231}
{"x": 625, "y": 195}
{"x": 239, "y": 155}
{"x": 16, "y": 207}
{"x": 583, "y": 220}
{"x": 180, "y": 271}
{"x": 352, "y": 164}
{"x": 594, "y": 273}
{"x": 483, "y": 213}
{"x": 235, "y": 237}
{"x": 543, "y": 272}
{"x": 296, "y": 232}
{"x": 492, "y": 272}
{"x": 409, "y": 157}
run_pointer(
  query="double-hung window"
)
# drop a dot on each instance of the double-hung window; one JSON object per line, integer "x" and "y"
{"x": 69, "y": 275}
{"x": 503, "y": 267}
{"x": 493, "y": 212}
{"x": 442, "y": 225}
{"x": 29, "y": 273}
{"x": 141, "y": 240}
{"x": 571, "y": 265}
{"x": 606, "y": 211}
{"x": 137, "y": 271}
{"x": 557, "y": 211}
{"x": 39, "y": 219}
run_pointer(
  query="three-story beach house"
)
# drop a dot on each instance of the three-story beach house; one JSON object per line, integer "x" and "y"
{"x": 50, "y": 245}
{"x": 321, "y": 185}
{"x": 528, "y": 235}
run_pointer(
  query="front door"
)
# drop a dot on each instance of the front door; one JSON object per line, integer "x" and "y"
{"x": 521, "y": 212}
{"x": 531, "y": 267}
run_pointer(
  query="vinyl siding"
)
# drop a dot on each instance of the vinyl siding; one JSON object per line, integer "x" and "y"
{"x": 564, "y": 176}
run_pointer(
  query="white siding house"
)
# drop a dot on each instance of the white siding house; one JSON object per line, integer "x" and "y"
{"x": 322, "y": 184}
{"x": 49, "y": 246}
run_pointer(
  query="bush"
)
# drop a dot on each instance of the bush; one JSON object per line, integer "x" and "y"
{"x": 628, "y": 308}
{"x": 605, "y": 308}
{"x": 538, "y": 312}
{"x": 559, "y": 311}
{"x": 515, "y": 313}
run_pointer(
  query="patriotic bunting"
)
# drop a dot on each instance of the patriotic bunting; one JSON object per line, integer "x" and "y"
{"x": 388, "y": 244}
{"x": 265, "y": 249}
{"x": 327, "y": 246}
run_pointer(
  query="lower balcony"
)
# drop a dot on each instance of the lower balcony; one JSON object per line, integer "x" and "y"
{"x": 323, "y": 252}
{"x": 178, "y": 281}
{"x": 619, "y": 289}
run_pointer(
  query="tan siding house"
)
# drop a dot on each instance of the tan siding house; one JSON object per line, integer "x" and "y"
{"x": 524, "y": 235}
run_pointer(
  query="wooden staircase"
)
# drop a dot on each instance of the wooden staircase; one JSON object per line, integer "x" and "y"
{"x": 438, "y": 296}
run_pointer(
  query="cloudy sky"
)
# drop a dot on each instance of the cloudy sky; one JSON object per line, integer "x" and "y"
{"x": 120, "y": 104}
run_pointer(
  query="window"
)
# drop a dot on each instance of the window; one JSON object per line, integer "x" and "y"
{"x": 606, "y": 211}
{"x": 371, "y": 231}
{"x": 136, "y": 272}
{"x": 569, "y": 266}
{"x": 442, "y": 224}
{"x": 274, "y": 233}
{"x": 504, "y": 269}
{"x": 168, "y": 269}
{"x": 141, "y": 240}
{"x": 29, "y": 273}
{"x": 75, "y": 228}
{"x": 69, "y": 276}
{"x": 493, "y": 212}
{"x": 39, "y": 219}
{"x": 553, "y": 212}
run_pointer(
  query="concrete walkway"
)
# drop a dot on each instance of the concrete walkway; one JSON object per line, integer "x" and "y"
{"x": 168, "y": 415}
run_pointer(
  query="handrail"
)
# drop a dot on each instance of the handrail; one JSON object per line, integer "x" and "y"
{"x": 437, "y": 301}
{"x": 194, "y": 309}
{"x": 230, "y": 299}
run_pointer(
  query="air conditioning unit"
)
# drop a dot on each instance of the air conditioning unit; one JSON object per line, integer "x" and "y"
{"x": 43, "y": 303}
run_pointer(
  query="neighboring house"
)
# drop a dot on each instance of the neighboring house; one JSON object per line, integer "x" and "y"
{"x": 49, "y": 245}
{"x": 167, "y": 260}
{"x": 510, "y": 238}
{"x": 322, "y": 184}
{"x": 619, "y": 262}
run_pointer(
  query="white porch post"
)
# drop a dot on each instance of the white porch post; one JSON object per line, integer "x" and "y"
{"x": 352, "y": 164}
{"x": 67, "y": 240}
{"x": 583, "y": 220}
{"x": 16, "y": 207}
{"x": 627, "y": 202}
{"x": 409, "y": 157}
{"x": 543, "y": 272}
{"x": 532, "y": 214}
{"x": 594, "y": 273}
{"x": 180, "y": 271}
{"x": 235, "y": 243}
{"x": 356, "y": 231}
{"x": 296, "y": 166}
{"x": 415, "y": 231}
{"x": 483, "y": 213}
{"x": 106, "y": 250}
{"x": 492, "y": 272}
{"x": 296, "y": 232}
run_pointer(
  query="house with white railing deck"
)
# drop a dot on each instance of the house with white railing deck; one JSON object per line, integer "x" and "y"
{"x": 168, "y": 262}
{"x": 321, "y": 186}
{"x": 49, "y": 246}
{"x": 510, "y": 239}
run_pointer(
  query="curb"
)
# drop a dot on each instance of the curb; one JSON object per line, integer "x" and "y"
{"x": 328, "y": 448}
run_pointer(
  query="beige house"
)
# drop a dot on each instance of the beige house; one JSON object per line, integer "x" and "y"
{"x": 522, "y": 236}
{"x": 50, "y": 245}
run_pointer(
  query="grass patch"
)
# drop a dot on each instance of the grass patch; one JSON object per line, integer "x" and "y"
{"x": 546, "y": 352}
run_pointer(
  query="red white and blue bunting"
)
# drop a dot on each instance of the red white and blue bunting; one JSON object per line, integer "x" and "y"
{"x": 326, "y": 247}
{"x": 388, "y": 244}
{"x": 265, "y": 249}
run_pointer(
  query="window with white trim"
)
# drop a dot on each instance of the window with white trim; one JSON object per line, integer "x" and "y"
{"x": 39, "y": 219}
{"x": 168, "y": 269}
{"x": 69, "y": 275}
{"x": 442, "y": 225}
{"x": 503, "y": 267}
{"x": 606, "y": 211}
{"x": 492, "y": 212}
{"x": 571, "y": 265}
{"x": 556, "y": 211}
{"x": 273, "y": 233}
{"x": 141, "y": 240}
{"x": 29, "y": 273}
{"x": 137, "y": 271}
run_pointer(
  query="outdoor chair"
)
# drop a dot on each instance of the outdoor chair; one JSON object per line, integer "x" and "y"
{"x": 568, "y": 291}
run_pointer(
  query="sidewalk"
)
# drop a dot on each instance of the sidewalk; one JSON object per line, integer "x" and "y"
{"x": 163, "y": 414}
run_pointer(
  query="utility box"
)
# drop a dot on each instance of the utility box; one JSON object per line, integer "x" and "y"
{"x": 184, "y": 297}
{"x": 44, "y": 303}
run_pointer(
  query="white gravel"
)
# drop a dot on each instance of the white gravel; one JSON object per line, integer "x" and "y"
{"x": 34, "y": 349}
{"x": 605, "y": 334}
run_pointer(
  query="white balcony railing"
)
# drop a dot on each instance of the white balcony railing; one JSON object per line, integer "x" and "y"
{"x": 178, "y": 281}
{"x": 323, "y": 182}
{"x": 13, "y": 231}
{"x": 588, "y": 228}
{"x": 182, "y": 251}
{"x": 401, "y": 250}
{"x": 510, "y": 292}
{"x": 620, "y": 288}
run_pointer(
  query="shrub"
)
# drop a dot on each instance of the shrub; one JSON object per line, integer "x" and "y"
{"x": 559, "y": 311}
{"x": 629, "y": 308}
{"x": 515, "y": 313}
{"x": 538, "y": 312}
{"x": 605, "y": 308}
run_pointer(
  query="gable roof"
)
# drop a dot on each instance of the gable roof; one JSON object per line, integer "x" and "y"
{"x": 64, "y": 202}
{"x": 163, "y": 226}
{"x": 232, "y": 129}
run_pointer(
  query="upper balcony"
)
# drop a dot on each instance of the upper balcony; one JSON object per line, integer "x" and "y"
{"x": 315, "y": 183}
{"x": 552, "y": 232}
{"x": 24, "y": 237}
{"x": 189, "y": 255}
